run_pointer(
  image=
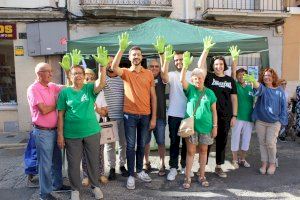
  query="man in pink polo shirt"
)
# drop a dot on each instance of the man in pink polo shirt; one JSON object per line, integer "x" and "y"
{"x": 42, "y": 96}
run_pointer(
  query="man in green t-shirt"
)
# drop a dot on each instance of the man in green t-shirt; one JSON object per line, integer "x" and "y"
{"x": 243, "y": 127}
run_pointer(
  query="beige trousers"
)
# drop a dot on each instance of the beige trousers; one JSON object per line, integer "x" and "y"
{"x": 267, "y": 136}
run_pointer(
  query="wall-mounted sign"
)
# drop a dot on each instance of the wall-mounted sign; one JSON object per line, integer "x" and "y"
{"x": 8, "y": 31}
{"x": 19, "y": 51}
{"x": 253, "y": 70}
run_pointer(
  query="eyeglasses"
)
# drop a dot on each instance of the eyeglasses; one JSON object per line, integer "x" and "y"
{"x": 154, "y": 66}
{"x": 77, "y": 73}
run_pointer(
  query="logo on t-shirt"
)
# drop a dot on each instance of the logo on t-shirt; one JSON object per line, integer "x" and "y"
{"x": 221, "y": 84}
{"x": 84, "y": 98}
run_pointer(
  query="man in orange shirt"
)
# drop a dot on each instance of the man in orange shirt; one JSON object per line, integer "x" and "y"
{"x": 139, "y": 102}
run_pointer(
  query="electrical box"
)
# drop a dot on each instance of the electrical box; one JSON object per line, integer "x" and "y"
{"x": 47, "y": 38}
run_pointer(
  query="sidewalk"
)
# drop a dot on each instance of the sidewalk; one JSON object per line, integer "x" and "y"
{"x": 9, "y": 140}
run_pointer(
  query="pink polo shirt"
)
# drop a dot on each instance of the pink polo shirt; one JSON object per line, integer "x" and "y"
{"x": 37, "y": 93}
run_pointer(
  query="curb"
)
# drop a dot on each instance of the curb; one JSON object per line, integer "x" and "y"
{"x": 4, "y": 146}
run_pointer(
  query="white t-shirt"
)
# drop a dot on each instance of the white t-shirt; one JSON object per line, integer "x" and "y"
{"x": 100, "y": 101}
{"x": 177, "y": 98}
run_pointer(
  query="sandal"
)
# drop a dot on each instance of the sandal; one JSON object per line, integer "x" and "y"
{"x": 203, "y": 181}
{"x": 198, "y": 172}
{"x": 162, "y": 171}
{"x": 187, "y": 183}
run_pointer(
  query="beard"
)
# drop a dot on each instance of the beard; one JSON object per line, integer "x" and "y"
{"x": 136, "y": 62}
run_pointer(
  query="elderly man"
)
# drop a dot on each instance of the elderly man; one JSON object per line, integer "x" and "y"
{"x": 42, "y": 96}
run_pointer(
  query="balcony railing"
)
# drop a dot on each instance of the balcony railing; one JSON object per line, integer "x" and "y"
{"x": 128, "y": 2}
{"x": 246, "y": 5}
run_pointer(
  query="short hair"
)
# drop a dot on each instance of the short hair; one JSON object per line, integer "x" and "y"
{"x": 40, "y": 66}
{"x": 135, "y": 48}
{"x": 218, "y": 58}
{"x": 78, "y": 66}
{"x": 89, "y": 71}
{"x": 199, "y": 71}
{"x": 241, "y": 70}
{"x": 178, "y": 52}
{"x": 273, "y": 73}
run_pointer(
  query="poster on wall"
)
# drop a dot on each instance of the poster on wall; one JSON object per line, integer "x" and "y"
{"x": 19, "y": 51}
{"x": 253, "y": 70}
{"x": 8, "y": 31}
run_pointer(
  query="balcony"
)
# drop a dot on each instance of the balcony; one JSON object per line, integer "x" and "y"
{"x": 261, "y": 11}
{"x": 127, "y": 8}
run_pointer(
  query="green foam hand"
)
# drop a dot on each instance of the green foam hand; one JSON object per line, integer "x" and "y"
{"x": 76, "y": 57}
{"x": 187, "y": 59}
{"x": 160, "y": 44}
{"x": 66, "y": 62}
{"x": 235, "y": 52}
{"x": 169, "y": 53}
{"x": 208, "y": 43}
{"x": 123, "y": 41}
{"x": 249, "y": 78}
{"x": 102, "y": 56}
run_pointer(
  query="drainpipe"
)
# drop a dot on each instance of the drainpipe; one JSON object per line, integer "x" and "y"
{"x": 186, "y": 13}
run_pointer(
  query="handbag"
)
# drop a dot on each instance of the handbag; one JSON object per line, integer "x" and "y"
{"x": 109, "y": 132}
{"x": 186, "y": 127}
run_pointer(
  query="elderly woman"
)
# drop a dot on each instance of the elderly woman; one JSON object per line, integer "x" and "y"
{"x": 201, "y": 102}
{"x": 78, "y": 128}
{"x": 270, "y": 112}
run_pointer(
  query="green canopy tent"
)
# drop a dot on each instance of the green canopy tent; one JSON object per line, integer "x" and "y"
{"x": 183, "y": 37}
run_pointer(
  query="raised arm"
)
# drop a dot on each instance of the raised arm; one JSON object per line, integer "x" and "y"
{"x": 123, "y": 44}
{"x": 187, "y": 61}
{"x": 102, "y": 59}
{"x": 168, "y": 56}
{"x": 207, "y": 45}
{"x": 251, "y": 79}
{"x": 160, "y": 48}
{"x": 235, "y": 52}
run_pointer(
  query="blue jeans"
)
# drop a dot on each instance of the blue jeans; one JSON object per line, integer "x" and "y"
{"x": 136, "y": 129}
{"x": 49, "y": 161}
{"x": 174, "y": 123}
{"x": 159, "y": 132}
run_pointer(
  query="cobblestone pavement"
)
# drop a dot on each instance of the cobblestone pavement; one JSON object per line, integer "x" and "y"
{"x": 243, "y": 183}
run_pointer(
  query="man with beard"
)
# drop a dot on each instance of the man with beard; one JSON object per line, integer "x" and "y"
{"x": 177, "y": 108}
{"x": 139, "y": 102}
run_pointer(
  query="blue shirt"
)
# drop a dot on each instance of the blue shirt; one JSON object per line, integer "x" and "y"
{"x": 270, "y": 106}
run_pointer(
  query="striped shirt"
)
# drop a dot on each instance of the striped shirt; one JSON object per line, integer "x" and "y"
{"x": 114, "y": 96}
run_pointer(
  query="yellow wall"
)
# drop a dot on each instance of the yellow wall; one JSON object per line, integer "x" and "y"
{"x": 6, "y": 116}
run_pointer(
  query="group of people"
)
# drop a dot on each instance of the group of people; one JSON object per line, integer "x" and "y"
{"x": 64, "y": 116}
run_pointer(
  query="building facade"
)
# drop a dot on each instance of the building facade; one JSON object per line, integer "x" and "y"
{"x": 40, "y": 30}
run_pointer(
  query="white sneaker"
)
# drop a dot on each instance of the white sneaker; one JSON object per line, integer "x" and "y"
{"x": 75, "y": 195}
{"x": 144, "y": 176}
{"x": 172, "y": 174}
{"x": 98, "y": 193}
{"x": 192, "y": 174}
{"x": 130, "y": 183}
{"x": 182, "y": 171}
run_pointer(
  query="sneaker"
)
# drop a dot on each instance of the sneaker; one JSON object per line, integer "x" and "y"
{"x": 220, "y": 173}
{"x": 182, "y": 171}
{"x": 75, "y": 195}
{"x": 112, "y": 174}
{"x": 144, "y": 176}
{"x": 63, "y": 188}
{"x": 235, "y": 164}
{"x": 172, "y": 174}
{"x": 124, "y": 171}
{"x": 244, "y": 163}
{"x": 282, "y": 139}
{"x": 130, "y": 183}
{"x": 85, "y": 182}
{"x": 98, "y": 193}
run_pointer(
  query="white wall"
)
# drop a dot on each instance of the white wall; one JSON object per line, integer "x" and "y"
{"x": 27, "y": 3}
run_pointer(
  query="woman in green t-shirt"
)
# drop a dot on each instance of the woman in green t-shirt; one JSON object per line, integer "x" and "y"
{"x": 205, "y": 119}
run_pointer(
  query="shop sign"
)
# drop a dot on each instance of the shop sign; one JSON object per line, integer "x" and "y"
{"x": 19, "y": 51}
{"x": 8, "y": 31}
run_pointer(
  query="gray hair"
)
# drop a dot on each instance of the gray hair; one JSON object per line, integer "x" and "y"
{"x": 198, "y": 72}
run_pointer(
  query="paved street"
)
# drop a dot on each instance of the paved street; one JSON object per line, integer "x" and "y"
{"x": 240, "y": 184}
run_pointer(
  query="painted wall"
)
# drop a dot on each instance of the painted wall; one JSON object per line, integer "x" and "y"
{"x": 7, "y": 116}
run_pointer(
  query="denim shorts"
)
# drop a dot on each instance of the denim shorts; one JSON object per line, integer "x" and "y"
{"x": 201, "y": 139}
{"x": 159, "y": 132}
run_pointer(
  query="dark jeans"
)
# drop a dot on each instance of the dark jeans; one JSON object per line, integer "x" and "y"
{"x": 174, "y": 123}
{"x": 221, "y": 140}
{"x": 136, "y": 129}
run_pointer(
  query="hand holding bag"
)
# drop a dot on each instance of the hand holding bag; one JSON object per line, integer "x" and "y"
{"x": 186, "y": 127}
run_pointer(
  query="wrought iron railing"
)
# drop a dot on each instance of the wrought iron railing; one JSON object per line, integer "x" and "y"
{"x": 247, "y": 5}
{"x": 128, "y": 2}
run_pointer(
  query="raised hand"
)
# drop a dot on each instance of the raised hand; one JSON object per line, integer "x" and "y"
{"x": 76, "y": 57}
{"x": 249, "y": 78}
{"x": 169, "y": 53}
{"x": 102, "y": 56}
{"x": 235, "y": 52}
{"x": 187, "y": 59}
{"x": 66, "y": 62}
{"x": 160, "y": 44}
{"x": 208, "y": 43}
{"x": 123, "y": 41}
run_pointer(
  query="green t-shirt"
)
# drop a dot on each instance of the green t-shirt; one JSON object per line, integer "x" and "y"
{"x": 203, "y": 116}
{"x": 80, "y": 120}
{"x": 245, "y": 102}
